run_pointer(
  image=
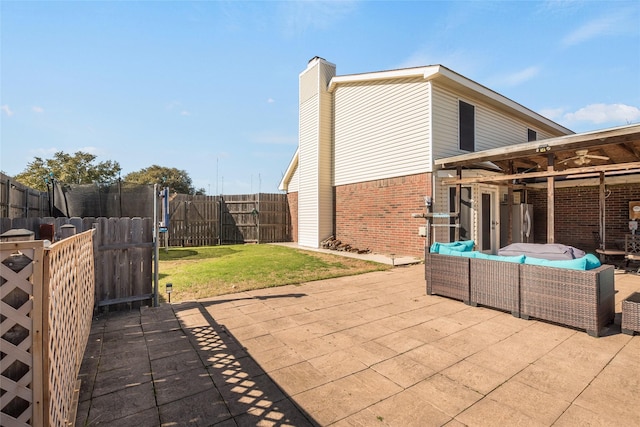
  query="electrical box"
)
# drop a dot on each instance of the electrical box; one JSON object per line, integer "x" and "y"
{"x": 422, "y": 231}
{"x": 634, "y": 210}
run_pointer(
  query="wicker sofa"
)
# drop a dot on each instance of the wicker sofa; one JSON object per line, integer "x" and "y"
{"x": 576, "y": 298}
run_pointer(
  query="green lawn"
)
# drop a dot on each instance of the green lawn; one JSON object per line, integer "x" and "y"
{"x": 215, "y": 270}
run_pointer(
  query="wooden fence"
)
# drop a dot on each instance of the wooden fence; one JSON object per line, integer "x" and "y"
{"x": 220, "y": 220}
{"x": 19, "y": 201}
{"x": 124, "y": 255}
{"x": 123, "y": 252}
{"x": 47, "y": 306}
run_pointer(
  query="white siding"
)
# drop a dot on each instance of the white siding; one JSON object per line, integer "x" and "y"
{"x": 325, "y": 168}
{"x": 315, "y": 193}
{"x": 542, "y": 134}
{"x": 493, "y": 127}
{"x": 308, "y": 170}
{"x": 381, "y": 130}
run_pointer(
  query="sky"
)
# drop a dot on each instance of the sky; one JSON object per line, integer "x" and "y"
{"x": 211, "y": 87}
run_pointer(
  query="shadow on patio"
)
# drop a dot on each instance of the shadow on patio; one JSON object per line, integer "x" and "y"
{"x": 362, "y": 350}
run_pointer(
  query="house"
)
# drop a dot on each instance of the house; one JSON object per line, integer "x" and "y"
{"x": 368, "y": 146}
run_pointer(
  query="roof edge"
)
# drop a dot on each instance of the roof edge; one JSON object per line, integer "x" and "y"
{"x": 423, "y": 72}
{"x": 495, "y": 96}
{"x": 432, "y": 72}
{"x": 293, "y": 165}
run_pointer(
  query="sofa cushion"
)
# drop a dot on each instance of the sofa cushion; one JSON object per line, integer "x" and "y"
{"x": 592, "y": 261}
{"x": 518, "y": 259}
{"x": 571, "y": 264}
{"x": 456, "y": 252}
{"x": 549, "y": 251}
{"x": 463, "y": 245}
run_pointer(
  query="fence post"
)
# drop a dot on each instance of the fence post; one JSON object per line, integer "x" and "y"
{"x": 156, "y": 252}
{"x": 46, "y": 336}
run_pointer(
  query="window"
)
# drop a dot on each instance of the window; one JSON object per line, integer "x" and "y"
{"x": 532, "y": 135}
{"x": 467, "y": 126}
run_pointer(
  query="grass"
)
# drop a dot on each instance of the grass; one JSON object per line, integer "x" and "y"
{"x": 209, "y": 271}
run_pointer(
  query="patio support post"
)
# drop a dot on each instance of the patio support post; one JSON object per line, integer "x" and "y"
{"x": 458, "y": 202}
{"x": 601, "y": 211}
{"x": 551, "y": 184}
{"x": 510, "y": 205}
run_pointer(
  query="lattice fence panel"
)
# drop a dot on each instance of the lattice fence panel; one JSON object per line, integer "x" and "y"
{"x": 71, "y": 294}
{"x": 21, "y": 333}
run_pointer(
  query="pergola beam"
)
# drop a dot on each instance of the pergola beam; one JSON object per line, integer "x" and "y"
{"x": 632, "y": 167}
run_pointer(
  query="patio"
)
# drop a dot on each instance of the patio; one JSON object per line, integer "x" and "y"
{"x": 364, "y": 350}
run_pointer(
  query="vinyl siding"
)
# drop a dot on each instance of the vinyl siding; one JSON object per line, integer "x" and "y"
{"x": 325, "y": 168}
{"x": 493, "y": 128}
{"x": 307, "y": 172}
{"x": 381, "y": 130}
{"x": 309, "y": 83}
{"x": 315, "y": 192}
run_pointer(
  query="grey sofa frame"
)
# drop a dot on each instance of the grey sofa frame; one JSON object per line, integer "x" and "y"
{"x": 576, "y": 298}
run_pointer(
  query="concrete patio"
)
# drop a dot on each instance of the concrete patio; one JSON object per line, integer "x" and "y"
{"x": 368, "y": 350}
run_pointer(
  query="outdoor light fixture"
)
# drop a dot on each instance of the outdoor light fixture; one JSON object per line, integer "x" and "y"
{"x": 542, "y": 148}
{"x": 169, "y": 290}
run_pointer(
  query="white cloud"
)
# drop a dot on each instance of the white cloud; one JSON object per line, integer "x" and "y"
{"x": 270, "y": 101}
{"x": 552, "y": 113}
{"x": 417, "y": 59}
{"x": 521, "y": 76}
{"x": 602, "y": 26}
{"x": 298, "y": 16}
{"x": 185, "y": 113}
{"x": 37, "y": 109}
{"x": 7, "y": 110}
{"x": 172, "y": 104}
{"x": 619, "y": 114}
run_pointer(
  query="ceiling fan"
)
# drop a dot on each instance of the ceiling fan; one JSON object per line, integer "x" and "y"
{"x": 583, "y": 157}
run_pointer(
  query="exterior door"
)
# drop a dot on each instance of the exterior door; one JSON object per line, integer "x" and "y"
{"x": 488, "y": 220}
{"x": 466, "y": 213}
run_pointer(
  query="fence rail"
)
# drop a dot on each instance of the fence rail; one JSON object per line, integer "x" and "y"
{"x": 47, "y": 308}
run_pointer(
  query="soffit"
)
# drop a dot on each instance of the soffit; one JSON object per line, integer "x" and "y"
{"x": 620, "y": 145}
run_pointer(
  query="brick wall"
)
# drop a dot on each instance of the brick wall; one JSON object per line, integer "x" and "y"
{"x": 292, "y": 200}
{"x": 376, "y": 214}
{"x": 576, "y": 214}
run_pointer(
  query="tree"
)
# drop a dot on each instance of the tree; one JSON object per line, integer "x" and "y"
{"x": 77, "y": 168}
{"x": 177, "y": 180}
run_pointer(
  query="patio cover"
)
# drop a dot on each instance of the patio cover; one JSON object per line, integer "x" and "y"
{"x": 617, "y": 152}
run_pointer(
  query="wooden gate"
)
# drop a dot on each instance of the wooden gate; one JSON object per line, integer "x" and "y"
{"x": 124, "y": 254}
{"x": 239, "y": 220}
{"x": 194, "y": 220}
{"x": 220, "y": 220}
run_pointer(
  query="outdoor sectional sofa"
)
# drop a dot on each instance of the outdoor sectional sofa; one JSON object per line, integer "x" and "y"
{"x": 582, "y": 299}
